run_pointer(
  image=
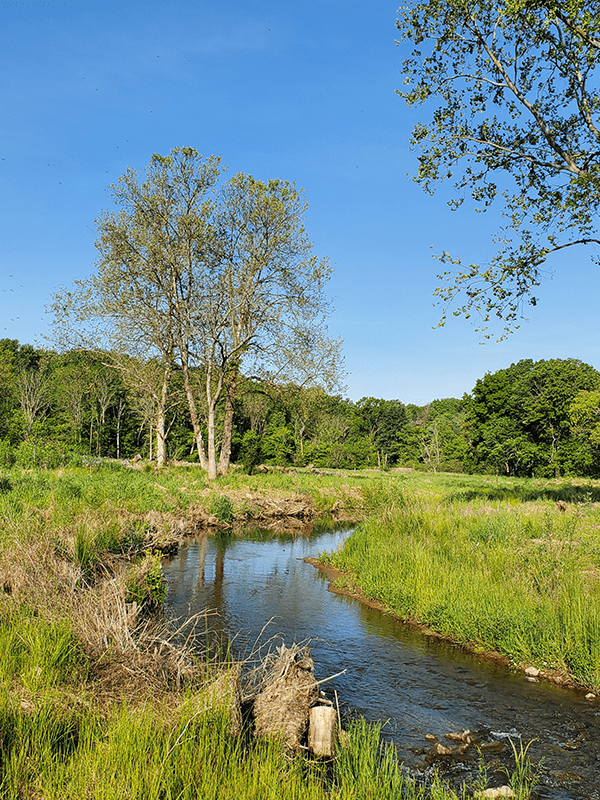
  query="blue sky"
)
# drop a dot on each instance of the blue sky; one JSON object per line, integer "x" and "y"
{"x": 301, "y": 91}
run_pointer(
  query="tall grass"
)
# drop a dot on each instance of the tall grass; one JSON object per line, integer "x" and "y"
{"x": 105, "y": 503}
{"x": 517, "y": 577}
{"x": 74, "y": 650}
{"x": 144, "y": 753}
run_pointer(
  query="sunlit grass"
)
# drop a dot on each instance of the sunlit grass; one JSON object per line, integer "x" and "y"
{"x": 504, "y": 569}
{"x": 148, "y": 753}
{"x": 488, "y": 561}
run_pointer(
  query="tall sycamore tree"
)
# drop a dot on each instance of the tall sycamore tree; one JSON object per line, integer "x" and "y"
{"x": 514, "y": 92}
{"x": 207, "y": 278}
{"x": 149, "y": 250}
{"x": 268, "y": 308}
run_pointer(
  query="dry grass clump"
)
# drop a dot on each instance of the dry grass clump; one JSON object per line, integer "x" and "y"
{"x": 130, "y": 652}
{"x": 287, "y": 691}
{"x": 32, "y": 572}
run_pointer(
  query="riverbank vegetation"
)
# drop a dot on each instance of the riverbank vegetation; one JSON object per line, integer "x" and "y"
{"x": 99, "y": 697}
{"x": 503, "y": 565}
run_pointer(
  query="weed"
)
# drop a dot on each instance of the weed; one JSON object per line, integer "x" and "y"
{"x": 525, "y": 774}
{"x": 145, "y": 583}
{"x": 221, "y": 508}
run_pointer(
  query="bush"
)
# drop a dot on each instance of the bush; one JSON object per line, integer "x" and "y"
{"x": 221, "y": 508}
{"x": 44, "y": 455}
{"x": 145, "y": 583}
{"x": 7, "y": 454}
{"x": 249, "y": 454}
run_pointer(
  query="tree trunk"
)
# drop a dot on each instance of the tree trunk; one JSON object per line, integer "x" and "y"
{"x": 161, "y": 450}
{"x": 193, "y": 408}
{"x": 212, "y": 454}
{"x": 161, "y": 415}
{"x": 225, "y": 456}
{"x": 120, "y": 409}
{"x": 321, "y": 730}
{"x": 211, "y": 403}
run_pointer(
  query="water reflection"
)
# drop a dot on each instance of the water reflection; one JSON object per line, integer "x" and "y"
{"x": 393, "y": 673}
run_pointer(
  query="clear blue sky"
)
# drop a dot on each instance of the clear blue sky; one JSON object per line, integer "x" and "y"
{"x": 302, "y": 91}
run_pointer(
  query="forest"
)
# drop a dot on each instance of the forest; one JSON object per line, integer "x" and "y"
{"x": 533, "y": 419}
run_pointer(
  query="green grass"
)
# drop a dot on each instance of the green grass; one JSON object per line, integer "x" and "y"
{"x": 145, "y": 754}
{"x": 487, "y": 565}
{"x": 39, "y": 653}
{"x": 57, "y": 741}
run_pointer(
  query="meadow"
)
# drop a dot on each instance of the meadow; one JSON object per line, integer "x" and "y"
{"x": 98, "y": 696}
{"x": 503, "y": 565}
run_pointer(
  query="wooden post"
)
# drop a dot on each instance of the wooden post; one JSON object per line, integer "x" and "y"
{"x": 321, "y": 729}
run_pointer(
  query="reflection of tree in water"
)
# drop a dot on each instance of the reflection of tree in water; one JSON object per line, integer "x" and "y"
{"x": 215, "y": 636}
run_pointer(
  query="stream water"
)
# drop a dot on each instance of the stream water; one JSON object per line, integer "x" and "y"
{"x": 413, "y": 683}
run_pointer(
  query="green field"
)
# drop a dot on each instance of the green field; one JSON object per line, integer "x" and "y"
{"x": 98, "y": 699}
{"x": 506, "y": 565}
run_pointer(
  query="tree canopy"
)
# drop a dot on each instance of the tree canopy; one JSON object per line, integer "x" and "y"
{"x": 193, "y": 274}
{"x": 528, "y": 419}
{"x": 515, "y": 98}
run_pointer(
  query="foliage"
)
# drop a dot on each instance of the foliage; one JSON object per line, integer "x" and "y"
{"x": 533, "y": 418}
{"x": 191, "y": 281}
{"x": 221, "y": 508}
{"x": 145, "y": 583}
{"x": 514, "y": 92}
{"x": 520, "y": 419}
{"x": 249, "y": 451}
{"x": 496, "y": 566}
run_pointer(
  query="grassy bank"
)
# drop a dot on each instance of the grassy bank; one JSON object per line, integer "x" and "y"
{"x": 496, "y": 564}
{"x": 98, "y": 699}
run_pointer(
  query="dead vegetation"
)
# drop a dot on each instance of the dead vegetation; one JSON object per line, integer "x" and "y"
{"x": 287, "y": 690}
{"x": 131, "y": 653}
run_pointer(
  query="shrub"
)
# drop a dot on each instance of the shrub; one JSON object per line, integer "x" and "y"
{"x": 221, "y": 508}
{"x": 145, "y": 583}
{"x": 249, "y": 453}
{"x": 30, "y": 454}
{"x": 7, "y": 454}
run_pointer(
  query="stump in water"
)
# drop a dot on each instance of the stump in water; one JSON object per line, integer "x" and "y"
{"x": 288, "y": 691}
{"x": 321, "y": 730}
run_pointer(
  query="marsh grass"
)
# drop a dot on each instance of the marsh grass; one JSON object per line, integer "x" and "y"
{"x": 98, "y": 698}
{"x": 512, "y": 575}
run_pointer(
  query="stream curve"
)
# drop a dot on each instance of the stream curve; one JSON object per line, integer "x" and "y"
{"x": 416, "y": 684}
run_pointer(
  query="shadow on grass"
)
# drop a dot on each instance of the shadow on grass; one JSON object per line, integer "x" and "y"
{"x": 565, "y": 492}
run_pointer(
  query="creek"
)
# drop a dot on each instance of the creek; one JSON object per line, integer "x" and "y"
{"x": 416, "y": 684}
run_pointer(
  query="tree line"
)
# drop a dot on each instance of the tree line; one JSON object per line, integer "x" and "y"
{"x": 531, "y": 419}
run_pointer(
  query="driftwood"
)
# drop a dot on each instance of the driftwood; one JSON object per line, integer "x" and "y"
{"x": 321, "y": 730}
{"x": 288, "y": 690}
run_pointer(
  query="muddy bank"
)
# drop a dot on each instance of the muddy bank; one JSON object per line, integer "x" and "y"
{"x": 165, "y": 532}
{"x": 341, "y": 583}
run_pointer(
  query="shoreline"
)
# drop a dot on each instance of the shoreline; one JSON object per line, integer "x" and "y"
{"x": 551, "y": 676}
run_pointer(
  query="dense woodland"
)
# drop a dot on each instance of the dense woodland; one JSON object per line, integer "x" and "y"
{"x": 532, "y": 419}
